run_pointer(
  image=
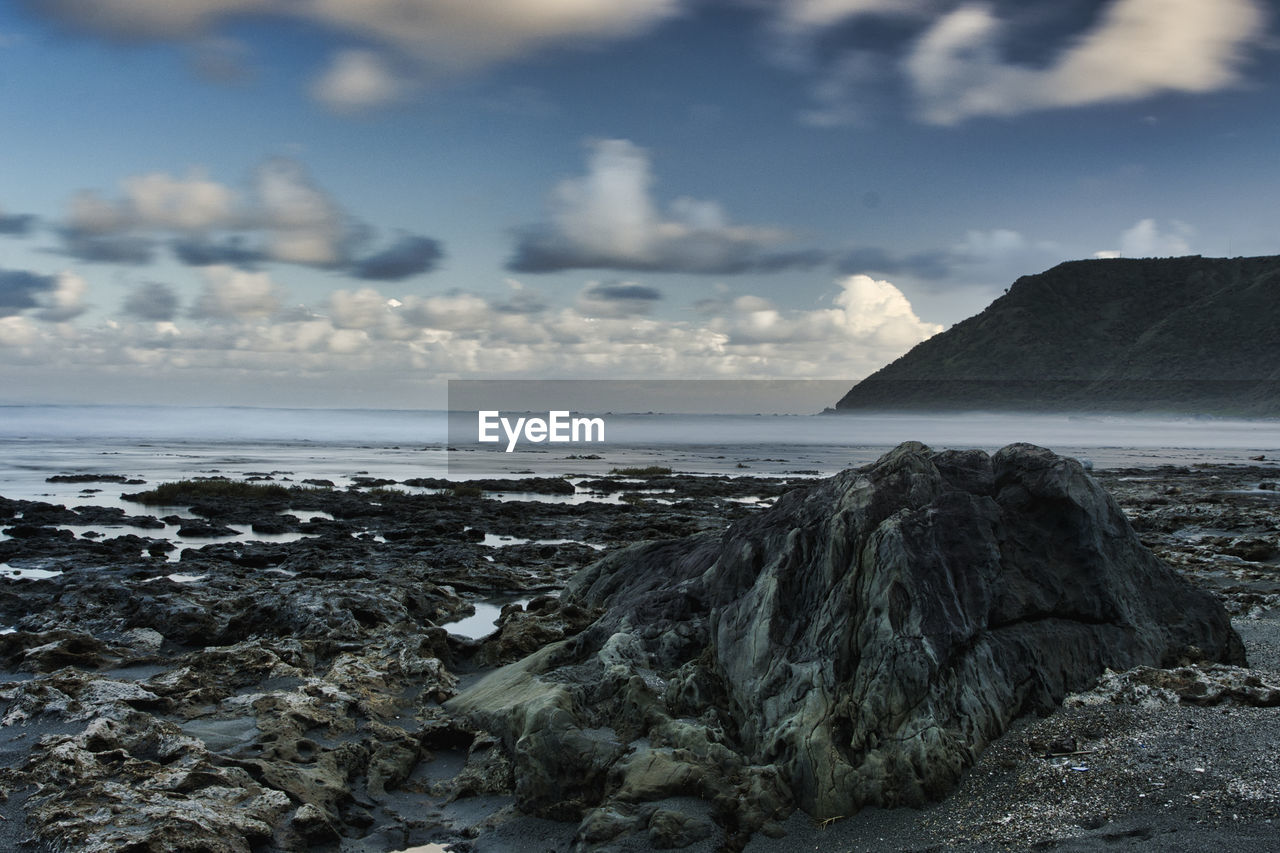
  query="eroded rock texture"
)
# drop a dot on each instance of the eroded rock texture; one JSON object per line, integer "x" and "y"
{"x": 859, "y": 643}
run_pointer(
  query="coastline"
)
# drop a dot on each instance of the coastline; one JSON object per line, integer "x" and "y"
{"x": 430, "y": 558}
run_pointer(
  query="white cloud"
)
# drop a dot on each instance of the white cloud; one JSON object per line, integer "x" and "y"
{"x": 825, "y": 13}
{"x": 608, "y": 211}
{"x": 459, "y": 36}
{"x": 451, "y": 312}
{"x": 66, "y": 300}
{"x": 366, "y": 308}
{"x": 1146, "y": 240}
{"x": 17, "y": 331}
{"x": 147, "y": 18}
{"x": 607, "y": 219}
{"x": 440, "y": 36}
{"x": 235, "y": 294}
{"x": 299, "y": 222}
{"x": 1138, "y": 48}
{"x": 368, "y": 335}
{"x": 194, "y": 203}
{"x": 870, "y": 314}
{"x": 356, "y": 80}
{"x": 304, "y": 224}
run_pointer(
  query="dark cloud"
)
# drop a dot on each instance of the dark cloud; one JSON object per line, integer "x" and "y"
{"x": 19, "y": 289}
{"x": 17, "y": 224}
{"x": 933, "y": 264}
{"x": 540, "y": 250}
{"x": 617, "y": 299}
{"x": 152, "y": 301}
{"x": 109, "y": 249}
{"x": 407, "y": 256}
{"x": 623, "y": 292}
{"x": 202, "y": 252}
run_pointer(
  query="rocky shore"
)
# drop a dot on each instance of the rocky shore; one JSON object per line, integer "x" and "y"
{"x": 680, "y": 664}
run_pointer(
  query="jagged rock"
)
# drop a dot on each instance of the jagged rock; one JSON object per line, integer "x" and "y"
{"x": 673, "y": 829}
{"x": 522, "y": 631}
{"x": 859, "y": 643}
{"x": 314, "y": 825}
{"x": 1208, "y": 684}
{"x": 49, "y": 650}
{"x": 131, "y": 782}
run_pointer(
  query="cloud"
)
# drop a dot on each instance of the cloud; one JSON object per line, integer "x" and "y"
{"x": 106, "y": 248}
{"x": 232, "y": 294}
{"x": 52, "y": 298}
{"x": 363, "y": 309}
{"x": 409, "y": 255}
{"x": 152, "y": 301}
{"x": 1138, "y": 48}
{"x": 19, "y": 290}
{"x": 357, "y": 80}
{"x": 816, "y": 14}
{"x": 372, "y": 341}
{"x": 438, "y": 37}
{"x": 933, "y": 264}
{"x": 456, "y": 311}
{"x": 1146, "y": 240}
{"x": 304, "y": 225}
{"x": 65, "y": 301}
{"x": 282, "y": 216}
{"x": 201, "y": 251}
{"x": 194, "y": 203}
{"x": 868, "y": 311}
{"x": 522, "y": 300}
{"x": 144, "y": 19}
{"x": 16, "y": 331}
{"x": 17, "y": 224}
{"x": 607, "y": 219}
{"x": 621, "y": 299}
{"x": 991, "y": 251}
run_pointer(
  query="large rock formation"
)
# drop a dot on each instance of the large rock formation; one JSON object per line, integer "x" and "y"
{"x": 1183, "y": 335}
{"x": 859, "y": 643}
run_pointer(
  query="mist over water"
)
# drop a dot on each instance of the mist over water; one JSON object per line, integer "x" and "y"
{"x": 177, "y": 424}
{"x": 159, "y": 444}
{"x": 948, "y": 430}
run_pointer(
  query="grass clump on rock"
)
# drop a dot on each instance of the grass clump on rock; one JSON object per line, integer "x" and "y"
{"x": 184, "y": 490}
{"x": 650, "y": 471}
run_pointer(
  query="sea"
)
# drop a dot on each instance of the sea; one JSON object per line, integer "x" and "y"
{"x": 346, "y": 447}
{"x": 163, "y": 443}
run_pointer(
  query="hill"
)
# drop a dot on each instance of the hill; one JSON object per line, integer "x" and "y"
{"x": 1173, "y": 335}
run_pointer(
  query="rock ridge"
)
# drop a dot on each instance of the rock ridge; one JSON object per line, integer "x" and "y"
{"x": 857, "y": 644}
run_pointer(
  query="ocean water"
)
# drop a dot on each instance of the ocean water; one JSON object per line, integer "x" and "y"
{"x": 158, "y": 444}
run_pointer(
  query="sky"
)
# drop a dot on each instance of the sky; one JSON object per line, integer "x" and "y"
{"x": 347, "y": 202}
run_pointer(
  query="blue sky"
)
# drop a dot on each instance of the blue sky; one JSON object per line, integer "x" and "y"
{"x": 345, "y": 202}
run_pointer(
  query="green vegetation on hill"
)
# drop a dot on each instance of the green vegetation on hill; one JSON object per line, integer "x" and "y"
{"x": 1186, "y": 335}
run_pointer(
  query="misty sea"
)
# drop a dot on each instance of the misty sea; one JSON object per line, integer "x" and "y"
{"x": 158, "y": 444}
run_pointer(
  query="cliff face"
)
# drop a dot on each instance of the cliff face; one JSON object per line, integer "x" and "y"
{"x": 1174, "y": 335}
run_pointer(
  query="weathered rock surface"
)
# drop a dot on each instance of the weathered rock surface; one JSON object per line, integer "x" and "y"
{"x": 859, "y": 643}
